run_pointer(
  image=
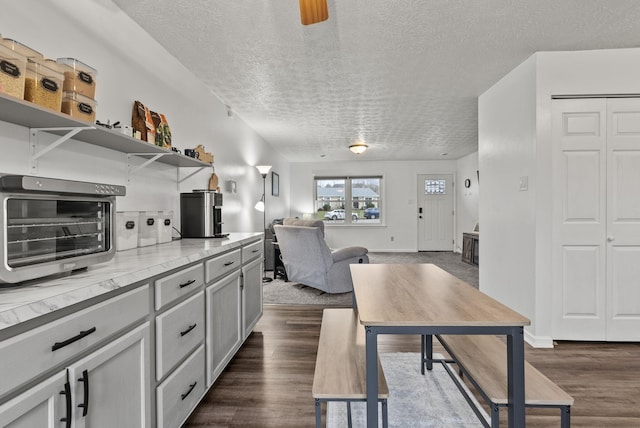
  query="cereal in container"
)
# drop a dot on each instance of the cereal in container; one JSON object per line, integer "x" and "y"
{"x": 79, "y": 106}
{"x": 78, "y": 77}
{"x": 13, "y": 67}
{"x": 43, "y": 85}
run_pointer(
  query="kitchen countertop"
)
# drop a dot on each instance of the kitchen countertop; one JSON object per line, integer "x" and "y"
{"x": 39, "y": 297}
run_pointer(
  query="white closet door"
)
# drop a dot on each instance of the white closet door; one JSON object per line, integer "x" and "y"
{"x": 596, "y": 219}
{"x": 579, "y": 219}
{"x": 623, "y": 219}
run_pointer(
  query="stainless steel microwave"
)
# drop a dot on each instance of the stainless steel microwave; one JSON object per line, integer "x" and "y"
{"x": 51, "y": 226}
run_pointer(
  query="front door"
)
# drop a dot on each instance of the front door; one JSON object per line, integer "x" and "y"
{"x": 435, "y": 212}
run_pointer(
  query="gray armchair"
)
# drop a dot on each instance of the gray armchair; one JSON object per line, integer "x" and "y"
{"x": 309, "y": 261}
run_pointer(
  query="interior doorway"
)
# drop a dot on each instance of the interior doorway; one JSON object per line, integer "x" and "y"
{"x": 435, "y": 212}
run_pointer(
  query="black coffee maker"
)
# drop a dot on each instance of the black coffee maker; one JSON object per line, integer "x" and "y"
{"x": 201, "y": 214}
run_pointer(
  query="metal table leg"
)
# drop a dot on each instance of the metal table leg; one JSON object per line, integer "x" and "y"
{"x": 372, "y": 377}
{"x": 515, "y": 367}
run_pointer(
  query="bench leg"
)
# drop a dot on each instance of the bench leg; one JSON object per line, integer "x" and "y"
{"x": 349, "y": 421}
{"x": 385, "y": 415}
{"x": 318, "y": 414}
{"x": 565, "y": 417}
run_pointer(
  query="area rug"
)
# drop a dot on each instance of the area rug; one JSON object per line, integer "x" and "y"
{"x": 279, "y": 292}
{"x": 429, "y": 401}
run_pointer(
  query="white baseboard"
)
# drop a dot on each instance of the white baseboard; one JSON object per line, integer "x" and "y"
{"x": 538, "y": 341}
{"x": 395, "y": 250}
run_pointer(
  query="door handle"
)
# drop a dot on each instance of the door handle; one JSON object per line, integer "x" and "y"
{"x": 85, "y": 380}
{"x": 64, "y": 343}
{"x": 610, "y": 238}
{"x": 188, "y": 330}
{"x": 67, "y": 396}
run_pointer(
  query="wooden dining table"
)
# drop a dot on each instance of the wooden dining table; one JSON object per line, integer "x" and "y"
{"x": 426, "y": 300}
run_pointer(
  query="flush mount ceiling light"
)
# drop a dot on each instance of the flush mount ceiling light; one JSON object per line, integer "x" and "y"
{"x": 358, "y": 148}
{"x": 313, "y": 11}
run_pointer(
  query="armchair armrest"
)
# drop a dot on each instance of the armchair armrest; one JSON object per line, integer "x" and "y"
{"x": 347, "y": 253}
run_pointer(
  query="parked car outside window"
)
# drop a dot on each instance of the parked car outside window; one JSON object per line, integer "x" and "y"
{"x": 338, "y": 215}
{"x": 372, "y": 213}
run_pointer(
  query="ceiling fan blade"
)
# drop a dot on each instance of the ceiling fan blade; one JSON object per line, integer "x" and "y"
{"x": 313, "y": 11}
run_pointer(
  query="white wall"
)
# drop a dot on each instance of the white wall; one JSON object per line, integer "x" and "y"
{"x": 527, "y": 273}
{"x": 399, "y": 204}
{"x": 132, "y": 66}
{"x": 506, "y": 143}
{"x": 467, "y": 200}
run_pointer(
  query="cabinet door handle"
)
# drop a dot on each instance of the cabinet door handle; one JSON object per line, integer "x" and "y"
{"x": 185, "y": 284}
{"x": 193, "y": 385}
{"x": 67, "y": 396}
{"x": 229, "y": 263}
{"x": 85, "y": 380}
{"x": 191, "y": 327}
{"x": 82, "y": 334}
{"x": 255, "y": 251}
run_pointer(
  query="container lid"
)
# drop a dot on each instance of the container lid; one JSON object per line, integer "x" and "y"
{"x": 52, "y": 64}
{"x": 43, "y": 68}
{"x": 7, "y": 53}
{"x": 21, "y": 49}
{"x": 77, "y": 65}
{"x": 74, "y": 96}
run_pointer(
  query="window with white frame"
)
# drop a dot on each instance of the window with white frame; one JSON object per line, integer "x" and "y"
{"x": 349, "y": 200}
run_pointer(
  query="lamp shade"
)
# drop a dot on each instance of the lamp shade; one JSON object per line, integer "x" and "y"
{"x": 259, "y": 205}
{"x": 263, "y": 169}
{"x": 313, "y": 11}
{"x": 358, "y": 148}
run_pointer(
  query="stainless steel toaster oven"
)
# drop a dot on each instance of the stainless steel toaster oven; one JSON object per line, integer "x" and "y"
{"x": 51, "y": 226}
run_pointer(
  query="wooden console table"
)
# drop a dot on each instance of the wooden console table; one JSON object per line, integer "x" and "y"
{"x": 471, "y": 248}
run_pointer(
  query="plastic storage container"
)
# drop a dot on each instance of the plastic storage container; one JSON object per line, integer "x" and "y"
{"x": 13, "y": 67}
{"x": 79, "y": 107}
{"x": 43, "y": 85}
{"x": 164, "y": 226}
{"x": 127, "y": 230}
{"x": 78, "y": 77}
{"x": 147, "y": 229}
{"x": 23, "y": 50}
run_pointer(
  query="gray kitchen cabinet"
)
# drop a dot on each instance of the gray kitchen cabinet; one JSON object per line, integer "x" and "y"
{"x": 142, "y": 358}
{"x": 252, "y": 306}
{"x": 110, "y": 387}
{"x": 44, "y": 405}
{"x": 224, "y": 323}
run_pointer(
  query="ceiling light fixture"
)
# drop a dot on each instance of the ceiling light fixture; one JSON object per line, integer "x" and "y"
{"x": 313, "y": 11}
{"x": 358, "y": 148}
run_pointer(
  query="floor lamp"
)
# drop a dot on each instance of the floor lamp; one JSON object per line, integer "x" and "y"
{"x": 260, "y": 206}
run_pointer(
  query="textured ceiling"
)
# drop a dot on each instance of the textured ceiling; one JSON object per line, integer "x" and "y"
{"x": 404, "y": 75}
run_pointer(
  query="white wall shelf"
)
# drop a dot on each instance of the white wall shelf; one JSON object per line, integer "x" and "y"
{"x": 27, "y": 114}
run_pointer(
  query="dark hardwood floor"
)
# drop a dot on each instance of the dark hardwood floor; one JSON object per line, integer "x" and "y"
{"x": 268, "y": 383}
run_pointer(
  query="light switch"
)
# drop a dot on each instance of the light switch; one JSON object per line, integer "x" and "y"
{"x": 524, "y": 183}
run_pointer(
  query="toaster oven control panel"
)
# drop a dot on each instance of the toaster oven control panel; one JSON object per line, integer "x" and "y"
{"x": 31, "y": 184}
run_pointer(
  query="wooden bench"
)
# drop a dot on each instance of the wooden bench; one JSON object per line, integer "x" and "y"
{"x": 340, "y": 364}
{"x": 483, "y": 359}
